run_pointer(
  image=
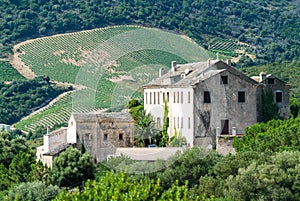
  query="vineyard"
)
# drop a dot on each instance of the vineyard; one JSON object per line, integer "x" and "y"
{"x": 57, "y": 113}
{"x": 113, "y": 63}
{"x": 93, "y": 59}
{"x": 8, "y": 73}
{"x": 227, "y": 47}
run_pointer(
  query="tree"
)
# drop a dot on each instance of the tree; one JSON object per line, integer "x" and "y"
{"x": 35, "y": 191}
{"x": 71, "y": 168}
{"x": 20, "y": 167}
{"x": 190, "y": 165}
{"x": 145, "y": 130}
{"x": 165, "y": 135}
{"x": 276, "y": 179}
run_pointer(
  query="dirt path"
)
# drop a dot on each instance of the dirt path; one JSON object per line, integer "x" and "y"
{"x": 17, "y": 63}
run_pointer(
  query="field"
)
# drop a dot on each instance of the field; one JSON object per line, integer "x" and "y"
{"x": 57, "y": 113}
{"x": 8, "y": 73}
{"x": 227, "y": 47}
{"x": 113, "y": 63}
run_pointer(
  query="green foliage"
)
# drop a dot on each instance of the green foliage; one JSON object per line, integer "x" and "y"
{"x": 274, "y": 135}
{"x": 31, "y": 93}
{"x": 145, "y": 130}
{"x": 269, "y": 108}
{"x": 248, "y": 21}
{"x": 119, "y": 186}
{"x": 35, "y": 191}
{"x": 71, "y": 168}
{"x": 20, "y": 167}
{"x": 8, "y": 73}
{"x": 191, "y": 165}
{"x": 9, "y": 147}
{"x": 276, "y": 179}
{"x": 177, "y": 140}
{"x": 294, "y": 107}
{"x": 164, "y": 131}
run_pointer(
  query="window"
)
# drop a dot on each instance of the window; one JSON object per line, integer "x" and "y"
{"x": 278, "y": 97}
{"x": 174, "y": 96}
{"x": 177, "y": 122}
{"x": 189, "y": 122}
{"x": 177, "y": 96}
{"x": 181, "y": 122}
{"x": 181, "y": 97}
{"x": 150, "y": 98}
{"x": 241, "y": 97}
{"x": 154, "y": 97}
{"x": 189, "y": 97}
{"x": 168, "y": 95}
{"x": 146, "y": 97}
{"x": 270, "y": 80}
{"x": 174, "y": 119}
{"x": 158, "y": 122}
{"x": 206, "y": 97}
{"x": 158, "y": 97}
{"x": 120, "y": 137}
{"x": 224, "y": 79}
{"x": 225, "y": 126}
{"x": 105, "y": 137}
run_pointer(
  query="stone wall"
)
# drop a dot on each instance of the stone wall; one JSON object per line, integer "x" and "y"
{"x": 224, "y": 105}
{"x": 101, "y": 137}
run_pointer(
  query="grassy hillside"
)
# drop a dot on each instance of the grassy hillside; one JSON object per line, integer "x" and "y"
{"x": 100, "y": 59}
{"x": 271, "y": 26}
{"x": 111, "y": 70}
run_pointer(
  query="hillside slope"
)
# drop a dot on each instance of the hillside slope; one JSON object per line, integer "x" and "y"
{"x": 271, "y": 26}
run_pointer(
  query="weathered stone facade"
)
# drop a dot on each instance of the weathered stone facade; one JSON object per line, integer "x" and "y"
{"x": 211, "y": 98}
{"x": 99, "y": 133}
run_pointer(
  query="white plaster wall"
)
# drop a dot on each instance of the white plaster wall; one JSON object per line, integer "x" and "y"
{"x": 46, "y": 144}
{"x": 181, "y": 109}
{"x": 71, "y": 132}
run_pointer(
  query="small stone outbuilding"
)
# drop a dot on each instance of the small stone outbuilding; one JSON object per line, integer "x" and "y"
{"x": 99, "y": 133}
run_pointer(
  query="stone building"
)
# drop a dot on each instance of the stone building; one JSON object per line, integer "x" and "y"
{"x": 100, "y": 133}
{"x": 210, "y": 98}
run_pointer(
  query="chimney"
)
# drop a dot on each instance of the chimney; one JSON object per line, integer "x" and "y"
{"x": 228, "y": 62}
{"x": 208, "y": 62}
{"x": 262, "y": 76}
{"x": 234, "y": 131}
{"x": 48, "y": 129}
{"x": 173, "y": 66}
{"x": 161, "y": 72}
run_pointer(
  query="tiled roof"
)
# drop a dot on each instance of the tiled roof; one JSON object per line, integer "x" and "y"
{"x": 192, "y": 73}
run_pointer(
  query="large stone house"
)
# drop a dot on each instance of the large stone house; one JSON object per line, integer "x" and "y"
{"x": 100, "y": 133}
{"x": 211, "y": 98}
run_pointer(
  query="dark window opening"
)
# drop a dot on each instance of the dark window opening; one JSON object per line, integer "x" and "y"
{"x": 168, "y": 95}
{"x": 241, "y": 97}
{"x": 105, "y": 137}
{"x": 225, "y": 126}
{"x": 121, "y": 137}
{"x": 270, "y": 80}
{"x": 158, "y": 122}
{"x": 224, "y": 79}
{"x": 278, "y": 97}
{"x": 207, "y": 97}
